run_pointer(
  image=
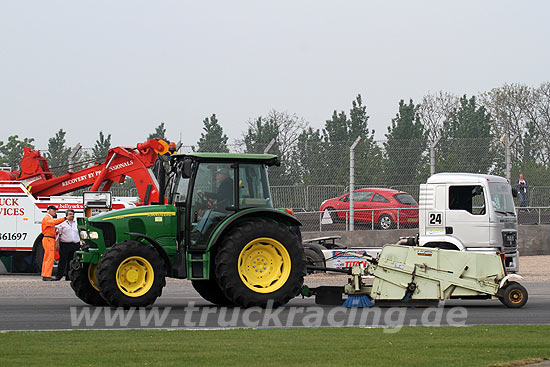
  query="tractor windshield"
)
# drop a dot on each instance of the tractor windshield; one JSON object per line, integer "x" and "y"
{"x": 213, "y": 199}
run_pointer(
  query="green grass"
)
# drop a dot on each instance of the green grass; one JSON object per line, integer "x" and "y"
{"x": 413, "y": 346}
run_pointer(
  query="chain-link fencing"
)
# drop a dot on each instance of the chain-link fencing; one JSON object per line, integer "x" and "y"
{"x": 312, "y": 172}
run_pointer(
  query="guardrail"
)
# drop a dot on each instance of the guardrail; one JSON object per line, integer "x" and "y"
{"x": 533, "y": 215}
{"x": 369, "y": 219}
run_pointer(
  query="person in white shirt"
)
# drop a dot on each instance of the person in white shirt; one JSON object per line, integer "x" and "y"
{"x": 69, "y": 242}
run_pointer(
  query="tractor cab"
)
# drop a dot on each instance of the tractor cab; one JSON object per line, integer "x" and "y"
{"x": 208, "y": 188}
{"x": 214, "y": 224}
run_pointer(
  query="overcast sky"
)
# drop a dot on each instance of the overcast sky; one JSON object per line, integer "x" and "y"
{"x": 125, "y": 66}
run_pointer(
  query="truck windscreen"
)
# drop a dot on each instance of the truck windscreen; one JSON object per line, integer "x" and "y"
{"x": 501, "y": 197}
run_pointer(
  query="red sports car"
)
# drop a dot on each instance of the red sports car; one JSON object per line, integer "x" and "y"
{"x": 385, "y": 207}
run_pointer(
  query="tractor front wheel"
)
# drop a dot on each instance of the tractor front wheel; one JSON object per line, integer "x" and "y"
{"x": 131, "y": 274}
{"x": 84, "y": 282}
{"x": 260, "y": 261}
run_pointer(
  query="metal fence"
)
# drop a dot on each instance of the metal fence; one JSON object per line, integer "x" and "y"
{"x": 365, "y": 219}
{"x": 313, "y": 171}
{"x": 402, "y": 218}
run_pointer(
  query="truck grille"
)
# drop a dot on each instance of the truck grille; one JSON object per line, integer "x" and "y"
{"x": 509, "y": 239}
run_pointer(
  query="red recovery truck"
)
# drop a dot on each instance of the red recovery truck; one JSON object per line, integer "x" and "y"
{"x": 25, "y": 194}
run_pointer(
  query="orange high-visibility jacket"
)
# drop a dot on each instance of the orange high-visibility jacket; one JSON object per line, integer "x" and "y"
{"x": 48, "y": 225}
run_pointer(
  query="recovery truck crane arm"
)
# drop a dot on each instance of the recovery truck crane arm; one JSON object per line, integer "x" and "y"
{"x": 120, "y": 162}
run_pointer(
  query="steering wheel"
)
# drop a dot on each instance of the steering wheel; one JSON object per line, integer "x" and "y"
{"x": 204, "y": 202}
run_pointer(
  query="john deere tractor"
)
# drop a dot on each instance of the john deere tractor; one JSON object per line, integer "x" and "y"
{"x": 215, "y": 225}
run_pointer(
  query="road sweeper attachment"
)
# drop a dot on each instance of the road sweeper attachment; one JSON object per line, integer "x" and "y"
{"x": 406, "y": 275}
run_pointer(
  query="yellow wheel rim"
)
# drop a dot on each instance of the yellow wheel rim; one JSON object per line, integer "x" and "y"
{"x": 135, "y": 276}
{"x": 516, "y": 296}
{"x": 264, "y": 265}
{"x": 92, "y": 276}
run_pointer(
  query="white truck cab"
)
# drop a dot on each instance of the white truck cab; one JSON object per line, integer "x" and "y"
{"x": 469, "y": 212}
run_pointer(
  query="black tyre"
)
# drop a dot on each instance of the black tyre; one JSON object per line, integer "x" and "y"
{"x": 209, "y": 289}
{"x": 84, "y": 282}
{"x": 131, "y": 274}
{"x": 313, "y": 259}
{"x": 38, "y": 254}
{"x": 385, "y": 222}
{"x": 260, "y": 260}
{"x": 514, "y": 295}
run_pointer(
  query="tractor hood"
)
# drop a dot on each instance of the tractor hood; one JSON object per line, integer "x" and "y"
{"x": 105, "y": 229}
{"x": 137, "y": 212}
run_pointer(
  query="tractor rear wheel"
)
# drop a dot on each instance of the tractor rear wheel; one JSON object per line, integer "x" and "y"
{"x": 260, "y": 261}
{"x": 209, "y": 289}
{"x": 131, "y": 274}
{"x": 84, "y": 282}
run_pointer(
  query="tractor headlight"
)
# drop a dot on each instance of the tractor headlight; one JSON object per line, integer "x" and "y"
{"x": 84, "y": 235}
{"x": 94, "y": 235}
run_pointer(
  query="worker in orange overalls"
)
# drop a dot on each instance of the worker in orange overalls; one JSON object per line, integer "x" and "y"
{"x": 48, "y": 242}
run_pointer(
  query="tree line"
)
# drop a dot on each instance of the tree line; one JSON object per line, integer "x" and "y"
{"x": 466, "y": 133}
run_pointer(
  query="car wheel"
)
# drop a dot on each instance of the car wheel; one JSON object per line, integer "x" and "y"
{"x": 385, "y": 222}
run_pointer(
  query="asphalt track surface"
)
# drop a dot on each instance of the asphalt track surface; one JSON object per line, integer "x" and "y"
{"x": 27, "y": 303}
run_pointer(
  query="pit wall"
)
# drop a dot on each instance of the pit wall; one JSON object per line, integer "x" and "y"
{"x": 532, "y": 239}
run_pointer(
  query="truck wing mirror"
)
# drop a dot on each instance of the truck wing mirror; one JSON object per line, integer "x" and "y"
{"x": 514, "y": 192}
{"x": 187, "y": 168}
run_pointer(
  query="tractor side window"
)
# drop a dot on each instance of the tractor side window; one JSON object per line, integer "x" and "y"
{"x": 212, "y": 200}
{"x": 470, "y": 198}
{"x": 253, "y": 187}
{"x": 180, "y": 193}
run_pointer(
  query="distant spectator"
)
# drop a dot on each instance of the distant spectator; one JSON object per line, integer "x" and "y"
{"x": 523, "y": 190}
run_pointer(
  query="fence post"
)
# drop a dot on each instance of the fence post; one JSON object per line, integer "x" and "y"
{"x": 398, "y": 210}
{"x": 352, "y": 182}
{"x": 509, "y": 143}
{"x": 432, "y": 156}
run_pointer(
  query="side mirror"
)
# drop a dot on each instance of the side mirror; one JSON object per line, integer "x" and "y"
{"x": 514, "y": 192}
{"x": 187, "y": 168}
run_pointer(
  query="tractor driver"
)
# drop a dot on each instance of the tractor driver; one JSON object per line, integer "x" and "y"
{"x": 224, "y": 194}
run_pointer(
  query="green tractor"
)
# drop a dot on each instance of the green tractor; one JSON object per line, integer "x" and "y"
{"x": 215, "y": 225}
